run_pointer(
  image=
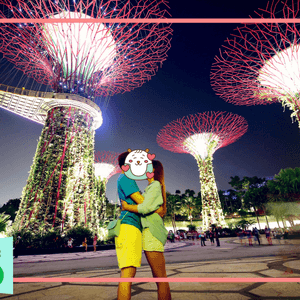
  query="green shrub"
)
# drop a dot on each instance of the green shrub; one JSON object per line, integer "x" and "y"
{"x": 52, "y": 239}
{"x": 191, "y": 227}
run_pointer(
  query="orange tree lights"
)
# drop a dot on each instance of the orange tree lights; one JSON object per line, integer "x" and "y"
{"x": 201, "y": 135}
{"x": 260, "y": 63}
{"x": 79, "y": 61}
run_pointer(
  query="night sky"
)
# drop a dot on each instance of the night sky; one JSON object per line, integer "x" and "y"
{"x": 180, "y": 87}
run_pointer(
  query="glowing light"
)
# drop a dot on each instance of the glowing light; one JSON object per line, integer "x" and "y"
{"x": 199, "y": 143}
{"x": 103, "y": 170}
{"x": 84, "y": 48}
{"x": 281, "y": 72}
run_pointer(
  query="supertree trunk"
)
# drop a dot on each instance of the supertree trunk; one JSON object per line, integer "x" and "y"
{"x": 212, "y": 212}
{"x": 60, "y": 189}
{"x": 100, "y": 201}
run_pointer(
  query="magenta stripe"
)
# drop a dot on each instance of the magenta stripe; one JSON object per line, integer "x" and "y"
{"x": 105, "y": 279}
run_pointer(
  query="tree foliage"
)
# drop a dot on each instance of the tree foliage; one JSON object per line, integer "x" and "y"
{"x": 11, "y": 208}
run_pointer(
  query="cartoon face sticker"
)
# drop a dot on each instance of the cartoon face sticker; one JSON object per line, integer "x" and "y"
{"x": 138, "y": 165}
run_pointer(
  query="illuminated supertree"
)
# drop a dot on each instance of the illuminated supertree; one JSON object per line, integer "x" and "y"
{"x": 79, "y": 61}
{"x": 106, "y": 165}
{"x": 201, "y": 135}
{"x": 260, "y": 63}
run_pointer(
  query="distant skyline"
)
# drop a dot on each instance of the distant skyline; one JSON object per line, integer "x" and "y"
{"x": 180, "y": 87}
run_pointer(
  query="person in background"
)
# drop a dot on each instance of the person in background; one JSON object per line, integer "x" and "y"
{"x": 84, "y": 244}
{"x": 255, "y": 232}
{"x": 171, "y": 236}
{"x": 268, "y": 235}
{"x": 249, "y": 237}
{"x": 216, "y": 234}
{"x": 70, "y": 243}
{"x": 202, "y": 237}
{"x": 211, "y": 237}
{"x": 95, "y": 242}
{"x": 18, "y": 245}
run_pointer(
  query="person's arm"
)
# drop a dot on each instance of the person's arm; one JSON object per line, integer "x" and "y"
{"x": 152, "y": 199}
{"x": 137, "y": 198}
{"x": 134, "y": 208}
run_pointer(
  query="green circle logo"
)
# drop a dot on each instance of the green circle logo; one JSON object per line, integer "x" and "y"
{"x": 1, "y": 275}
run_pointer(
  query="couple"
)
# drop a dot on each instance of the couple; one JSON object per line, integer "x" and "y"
{"x": 142, "y": 228}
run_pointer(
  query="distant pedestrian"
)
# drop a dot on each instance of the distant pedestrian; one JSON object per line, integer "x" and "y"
{"x": 216, "y": 234}
{"x": 256, "y": 235}
{"x": 268, "y": 235}
{"x": 70, "y": 243}
{"x": 211, "y": 237}
{"x": 241, "y": 236}
{"x": 202, "y": 237}
{"x": 18, "y": 245}
{"x": 84, "y": 244}
{"x": 249, "y": 237}
{"x": 95, "y": 242}
{"x": 171, "y": 236}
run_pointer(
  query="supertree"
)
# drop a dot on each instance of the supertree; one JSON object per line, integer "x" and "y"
{"x": 79, "y": 61}
{"x": 106, "y": 165}
{"x": 260, "y": 63}
{"x": 201, "y": 135}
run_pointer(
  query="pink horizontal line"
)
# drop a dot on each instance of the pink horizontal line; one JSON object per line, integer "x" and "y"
{"x": 104, "y": 279}
{"x": 168, "y": 20}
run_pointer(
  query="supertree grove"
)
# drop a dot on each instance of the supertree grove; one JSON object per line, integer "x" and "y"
{"x": 201, "y": 135}
{"x": 79, "y": 61}
{"x": 106, "y": 165}
{"x": 259, "y": 63}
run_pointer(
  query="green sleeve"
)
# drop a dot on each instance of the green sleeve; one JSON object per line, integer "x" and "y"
{"x": 152, "y": 199}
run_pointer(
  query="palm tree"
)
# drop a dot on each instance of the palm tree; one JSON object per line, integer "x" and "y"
{"x": 286, "y": 188}
{"x": 3, "y": 221}
{"x": 256, "y": 198}
{"x": 173, "y": 205}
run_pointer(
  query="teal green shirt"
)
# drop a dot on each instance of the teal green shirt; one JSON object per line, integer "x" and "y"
{"x": 152, "y": 201}
{"x": 126, "y": 187}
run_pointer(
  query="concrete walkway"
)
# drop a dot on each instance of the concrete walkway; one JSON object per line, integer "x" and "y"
{"x": 286, "y": 265}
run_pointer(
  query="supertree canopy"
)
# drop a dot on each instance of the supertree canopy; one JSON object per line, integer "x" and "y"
{"x": 106, "y": 165}
{"x": 260, "y": 63}
{"x": 201, "y": 135}
{"x": 86, "y": 58}
{"x": 79, "y": 61}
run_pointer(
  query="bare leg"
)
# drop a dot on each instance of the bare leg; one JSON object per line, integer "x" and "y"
{"x": 124, "y": 289}
{"x": 157, "y": 263}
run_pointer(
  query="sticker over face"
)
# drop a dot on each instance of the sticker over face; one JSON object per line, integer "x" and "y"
{"x": 138, "y": 164}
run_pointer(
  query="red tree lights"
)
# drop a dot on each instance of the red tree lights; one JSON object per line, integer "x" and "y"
{"x": 201, "y": 135}
{"x": 88, "y": 59}
{"x": 259, "y": 63}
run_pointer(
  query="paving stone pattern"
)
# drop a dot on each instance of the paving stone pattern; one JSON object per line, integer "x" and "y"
{"x": 283, "y": 265}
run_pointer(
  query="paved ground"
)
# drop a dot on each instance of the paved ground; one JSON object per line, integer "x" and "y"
{"x": 284, "y": 264}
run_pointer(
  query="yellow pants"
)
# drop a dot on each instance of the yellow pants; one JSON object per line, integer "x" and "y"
{"x": 129, "y": 246}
